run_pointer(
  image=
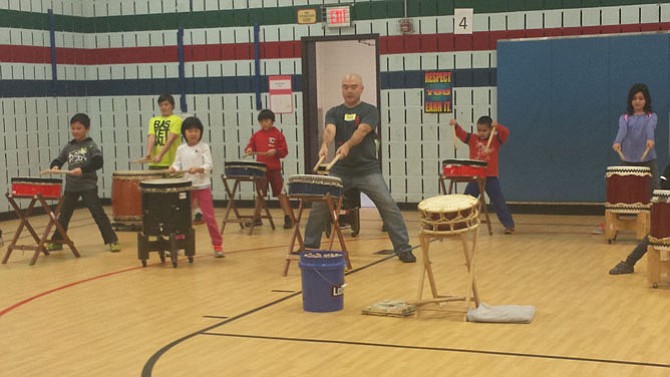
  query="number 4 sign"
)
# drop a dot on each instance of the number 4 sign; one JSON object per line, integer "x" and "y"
{"x": 463, "y": 20}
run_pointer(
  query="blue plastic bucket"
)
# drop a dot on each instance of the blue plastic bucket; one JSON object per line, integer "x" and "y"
{"x": 322, "y": 280}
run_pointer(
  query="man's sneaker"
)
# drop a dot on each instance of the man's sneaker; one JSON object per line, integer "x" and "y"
{"x": 218, "y": 252}
{"x": 407, "y": 257}
{"x": 197, "y": 219}
{"x": 509, "y": 230}
{"x": 52, "y": 246}
{"x": 114, "y": 247}
{"x": 288, "y": 224}
{"x": 622, "y": 268}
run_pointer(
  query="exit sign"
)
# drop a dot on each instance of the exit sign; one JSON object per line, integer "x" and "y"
{"x": 338, "y": 16}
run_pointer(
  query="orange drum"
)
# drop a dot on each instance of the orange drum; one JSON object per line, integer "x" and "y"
{"x": 628, "y": 188}
{"x": 50, "y": 188}
{"x": 660, "y": 218}
{"x": 449, "y": 214}
{"x": 126, "y": 194}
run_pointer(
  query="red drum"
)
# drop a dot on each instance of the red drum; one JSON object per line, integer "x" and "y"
{"x": 449, "y": 214}
{"x": 244, "y": 169}
{"x": 660, "y": 218}
{"x": 628, "y": 188}
{"x": 126, "y": 194}
{"x": 463, "y": 168}
{"x": 23, "y": 187}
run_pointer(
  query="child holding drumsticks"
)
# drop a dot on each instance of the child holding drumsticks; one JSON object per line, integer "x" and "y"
{"x": 269, "y": 144}
{"x": 484, "y": 146}
{"x": 635, "y": 139}
{"x": 195, "y": 158}
{"x": 83, "y": 158}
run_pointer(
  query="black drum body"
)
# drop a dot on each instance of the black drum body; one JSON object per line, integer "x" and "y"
{"x": 166, "y": 207}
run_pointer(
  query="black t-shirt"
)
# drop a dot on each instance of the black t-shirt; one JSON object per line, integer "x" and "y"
{"x": 362, "y": 158}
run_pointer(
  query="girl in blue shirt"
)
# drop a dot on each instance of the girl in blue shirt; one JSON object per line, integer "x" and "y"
{"x": 635, "y": 138}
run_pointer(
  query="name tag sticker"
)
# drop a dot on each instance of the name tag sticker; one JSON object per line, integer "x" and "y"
{"x": 349, "y": 117}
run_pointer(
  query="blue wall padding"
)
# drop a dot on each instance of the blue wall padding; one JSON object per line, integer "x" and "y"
{"x": 561, "y": 99}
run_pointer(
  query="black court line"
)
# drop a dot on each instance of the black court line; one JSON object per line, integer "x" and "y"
{"x": 446, "y": 349}
{"x": 281, "y": 291}
{"x": 149, "y": 365}
{"x": 214, "y": 316}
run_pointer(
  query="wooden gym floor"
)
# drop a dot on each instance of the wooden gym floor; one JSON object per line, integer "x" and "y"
{"x": 105, "y": 315}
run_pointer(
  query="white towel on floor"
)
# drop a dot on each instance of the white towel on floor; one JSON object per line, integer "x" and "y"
{"x": 502, "y": 313}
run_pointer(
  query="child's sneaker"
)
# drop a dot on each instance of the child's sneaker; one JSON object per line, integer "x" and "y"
{"x": 218, "y": 252}
{"x": 114, "y": 247}
{"x": 599, "y": 230}
{"x": 53, "y": 246}
{"x": 197, "y": 219}
{"x": 257, "y": 222}
{"x": 288, "y": 224}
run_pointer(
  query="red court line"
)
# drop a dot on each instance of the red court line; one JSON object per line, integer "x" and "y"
{"x": 29, "y": 299}
{"x": 45, "y": 293}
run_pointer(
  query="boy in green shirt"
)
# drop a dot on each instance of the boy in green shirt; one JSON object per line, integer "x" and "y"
{"x": 164, "y": 130}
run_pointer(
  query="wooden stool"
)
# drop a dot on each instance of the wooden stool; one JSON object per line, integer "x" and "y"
{"x": 334, "y": 205}
{"x": 160, "y": 243}
{"x": 259, "y": 207}
{"x": 637, "y": 221}
{"x": 452, "y": 216}
{"x": 481, "y": 182}
{"x": 38, "y": 247}
{"x": 658, "y": 264}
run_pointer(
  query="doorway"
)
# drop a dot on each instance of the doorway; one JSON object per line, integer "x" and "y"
{"x": 325, "y": 61}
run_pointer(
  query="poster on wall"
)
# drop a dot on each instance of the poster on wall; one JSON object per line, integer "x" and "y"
{"x": 281, "y": 94}
{"x": 437, "y": 92}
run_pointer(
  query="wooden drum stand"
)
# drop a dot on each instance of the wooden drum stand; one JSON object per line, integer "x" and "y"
{"x": 448, "y": 216}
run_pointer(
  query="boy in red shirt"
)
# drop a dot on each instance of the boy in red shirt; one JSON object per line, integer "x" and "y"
{"x": 269, "y": 144}
{"x": 478, "y": 151}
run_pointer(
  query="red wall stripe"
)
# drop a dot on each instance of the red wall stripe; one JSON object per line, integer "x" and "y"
{"x": 402, "y": 44}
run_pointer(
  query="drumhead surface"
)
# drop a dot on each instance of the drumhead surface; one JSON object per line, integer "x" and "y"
{"x": 37, "y": 180}
{"x": 315, "y": 179}
{"x": 134, "y": 173}
{"x": 245, "y": 163}
{"x": 463, "y": 161}
{"x": 165, "y": 182}
{"x": 628, "y": 169}
{"x": 447, "y": 203}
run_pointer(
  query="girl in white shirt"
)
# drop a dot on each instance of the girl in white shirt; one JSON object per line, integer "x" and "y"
{"x": 195, "y": 158}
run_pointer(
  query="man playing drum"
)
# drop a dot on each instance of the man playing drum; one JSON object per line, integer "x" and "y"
{"x": 352, "y": 126}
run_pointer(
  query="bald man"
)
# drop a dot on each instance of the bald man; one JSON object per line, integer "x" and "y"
{"x": 352, "y": 126}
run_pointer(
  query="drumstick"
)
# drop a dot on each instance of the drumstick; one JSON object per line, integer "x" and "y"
{"x": 337, "y": 157}
{"x": 316, "y": 167}
{"x": 453, "y": 128}
{"x": 623, "y": 158}
{"x": 255, "y": 154}
{"x": 49, "y": 171}
{"x": 493, "y": 132}
{"x": 645, "y": 153}
{"x": 139, "y": 161}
